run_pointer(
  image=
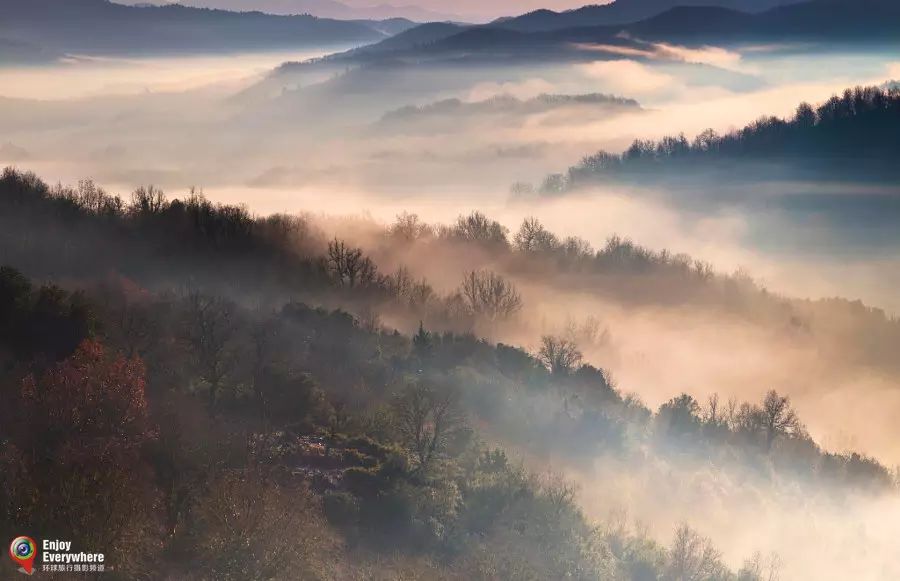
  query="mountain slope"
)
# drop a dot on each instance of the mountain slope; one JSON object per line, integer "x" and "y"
{"x": 849, "y": 137}
{"x": 320, "y": 8}
{"x": 389, "y": 26}
{"x": 814, "y": 21}
{"x": 419, "y": 36}
{"x": 101, "y": 27}
{"x": 622, "y": 12}
{"x": 845, "y": 21}
{"x": 289, "y": 415}
{"x": 823, "y": 20}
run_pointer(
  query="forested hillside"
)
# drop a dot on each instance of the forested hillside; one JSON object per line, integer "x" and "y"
{"x": 194, "y": 396}
{"x": 849, "y": 137}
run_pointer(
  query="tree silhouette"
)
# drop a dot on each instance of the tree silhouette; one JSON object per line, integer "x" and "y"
{"x": 778, "y": 418}
{"x": 208, "y": 330}
{"x": 478, "y": 228}
{"x": 490, "y": 295}
{"x": 559, "y": 355}
{"x": 533, "y": 237}
{"x": 853, "y": 132}
{"x": 428, "y": 421}
{"x": 349, "y": 266}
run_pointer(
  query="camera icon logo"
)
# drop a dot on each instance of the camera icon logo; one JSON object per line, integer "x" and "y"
{"x": 22, "y": 551}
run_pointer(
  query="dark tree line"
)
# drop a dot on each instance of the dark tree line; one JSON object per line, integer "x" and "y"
{"x": 76, "y": 233}
{"x": 851, "y": 135}
{"x": 87, "y": 232}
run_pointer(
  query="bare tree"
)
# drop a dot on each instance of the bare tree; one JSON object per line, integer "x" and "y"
{"x": 759, "y": 568}
{"x": 714, "y": 415}
{"x": 558, "y": 491}
{"x": 366, "y": 274}
{"x": 209, "y": 327}
{"x": 575, "y": 248}
{"x": 559, "y": 355}
{"x": 731, "y": 413}
{"x": 349, "y": 266}
{"x": 410, "y": 228}
{"x": 778, "y": 418}
{"x": 148, "y": 200}
{"x": 476, "y": 227}
{"x": 489, "y": 294}
{"x": 420, "y": 294}
{"x": 693, "y": 558}
{"x": 94, "y": 199}
{"x": 533, "y": 237}
{"x": 590, "y": 332}
{"x": 343, "y": 262}
{"x": 428, "y": 421}
{"x": 748, "y": 419}
{"x": 706, "y": 141}
{"x": 400, "y": 283}
{"x": 774, "y": 419}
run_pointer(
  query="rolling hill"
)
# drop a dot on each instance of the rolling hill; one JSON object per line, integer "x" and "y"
{"x": 816, "y": 21}
{"x": 851, "y": 137}
{"x": 622, "y": 12}
{"x": 102, "y": 27}
{"x": 320, "y": 8}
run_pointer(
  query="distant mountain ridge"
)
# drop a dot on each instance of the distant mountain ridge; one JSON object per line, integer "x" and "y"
{"x": 103, "y": 27}
{"x": 321, "y": 8}
{"x": 822, "y": 20}
{"x": 855, "y": 21}
{"x": 414, "y": 38}
{"x": 622, "y": 12}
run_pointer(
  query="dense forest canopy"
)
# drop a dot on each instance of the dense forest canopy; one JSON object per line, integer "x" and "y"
{"x": 242, "y": 399}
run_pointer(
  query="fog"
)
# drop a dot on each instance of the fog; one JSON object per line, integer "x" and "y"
{"x": 656, "y": 349}
{"x": 124, "y": 122}
{"x": 807, "y": 537}
{"x": 182, "y": 122}
{"x": 321, "y": 142}
{"x": 86, "y": 76}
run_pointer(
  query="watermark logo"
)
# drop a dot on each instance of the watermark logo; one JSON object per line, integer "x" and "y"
{"x": 22, "y": 551}
{"x": 56, "y": 557}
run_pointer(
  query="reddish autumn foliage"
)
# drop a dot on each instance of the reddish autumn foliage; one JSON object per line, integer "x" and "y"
{"x": 80, "y": 447}
{"x": 90, "y": 402}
